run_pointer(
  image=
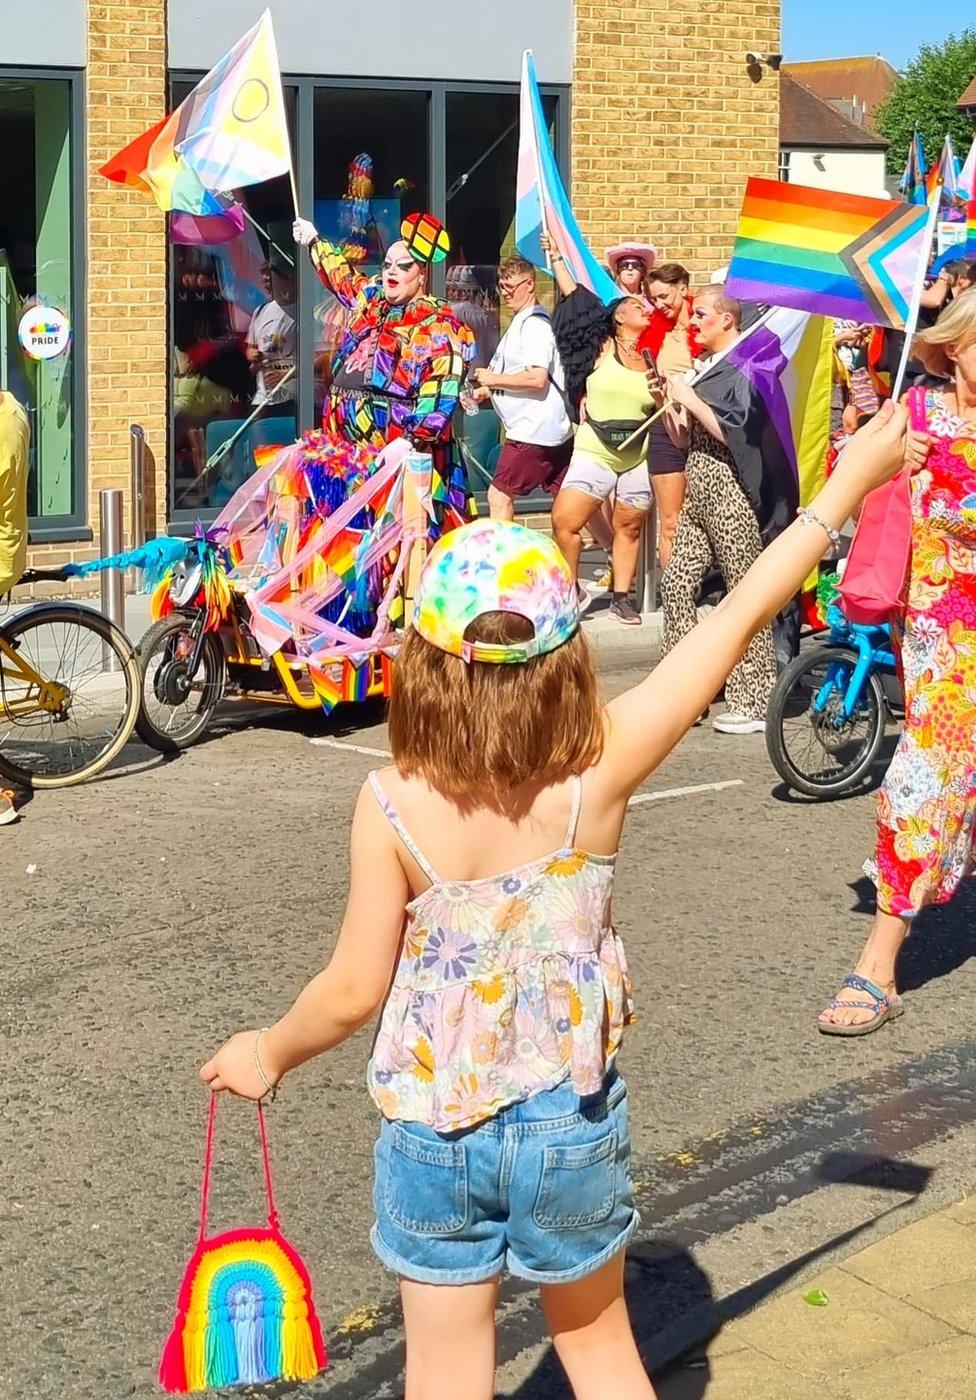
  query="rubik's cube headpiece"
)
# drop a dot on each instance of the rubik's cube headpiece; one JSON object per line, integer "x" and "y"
{"x": 426, "y": 238}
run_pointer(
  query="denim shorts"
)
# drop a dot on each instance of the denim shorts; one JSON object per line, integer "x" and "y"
{"x": 542, "y": 1189}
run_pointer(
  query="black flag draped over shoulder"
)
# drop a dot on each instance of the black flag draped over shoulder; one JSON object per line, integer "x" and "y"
{"x": 751, "y": 407}
{"x": 745, "y": 391}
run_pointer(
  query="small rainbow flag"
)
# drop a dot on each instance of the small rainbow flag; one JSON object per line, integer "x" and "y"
{"x": 832, "y": 254}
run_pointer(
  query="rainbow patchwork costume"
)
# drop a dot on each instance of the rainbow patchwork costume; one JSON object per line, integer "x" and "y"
{"x": 396, "y": 373}
{"x": 294, "y": 537}
{"x": 407, "y": 363}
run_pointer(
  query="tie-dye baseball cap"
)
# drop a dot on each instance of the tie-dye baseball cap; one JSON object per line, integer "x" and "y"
{"x": 495, "y": 566}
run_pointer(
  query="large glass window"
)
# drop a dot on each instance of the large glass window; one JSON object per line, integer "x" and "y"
{"x": 482, "y": 154}
{"x": 37, "y": 274}
{"x": 234, "y": 333}
{"x": 372, "y": 167}
{"x": 236, "y": 330}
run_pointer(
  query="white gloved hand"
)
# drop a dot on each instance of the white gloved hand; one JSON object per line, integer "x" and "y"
{"x": 304, "y": 232}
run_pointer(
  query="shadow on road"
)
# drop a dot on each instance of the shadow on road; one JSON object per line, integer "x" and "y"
{"x": 672, "y": 1305}
{"x": 782, "y": 793}
{"x": 664, "y": 1286}
{"x": 942, "y": 937}
{"x": 235, "y": 715}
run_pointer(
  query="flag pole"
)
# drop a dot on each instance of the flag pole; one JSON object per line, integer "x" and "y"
{"x": 911, "y": 323}
{"x": 266, "y": 235}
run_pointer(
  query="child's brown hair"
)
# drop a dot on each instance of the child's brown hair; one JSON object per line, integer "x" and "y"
{"x": 477, "y": 730}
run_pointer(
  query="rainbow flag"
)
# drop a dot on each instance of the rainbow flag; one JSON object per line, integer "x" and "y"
{"x": 832, "y": 254}
{"x": 541, "y": 202}
{"x": 229, "y": 132}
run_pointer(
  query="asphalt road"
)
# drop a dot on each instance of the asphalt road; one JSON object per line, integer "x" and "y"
{"x": 148, "y": 914}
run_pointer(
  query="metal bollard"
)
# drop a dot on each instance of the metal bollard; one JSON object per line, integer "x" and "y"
{"x": 648, "y": 572}
{"x": 137, "y": 494}
{"x": 113, "y": 583}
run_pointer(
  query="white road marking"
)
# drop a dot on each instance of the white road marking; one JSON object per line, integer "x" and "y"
{"x": 641, "y": 797}
{"x": 354, "y": 748}
{"x": 684, "y": 791}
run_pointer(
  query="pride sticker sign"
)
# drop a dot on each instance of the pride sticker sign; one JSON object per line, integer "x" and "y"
{"x": 44, "y": 332}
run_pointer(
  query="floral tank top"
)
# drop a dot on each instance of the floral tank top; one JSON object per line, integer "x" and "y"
{"x": 505, "y": 987}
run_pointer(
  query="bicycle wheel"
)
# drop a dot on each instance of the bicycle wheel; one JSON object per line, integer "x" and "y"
{"x": 812, "y": 745}
{"x": 177, "y": 707}
{"x": 73, "y": 727}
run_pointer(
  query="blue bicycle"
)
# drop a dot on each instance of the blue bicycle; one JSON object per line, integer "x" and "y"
{"x": 827, "y": 715}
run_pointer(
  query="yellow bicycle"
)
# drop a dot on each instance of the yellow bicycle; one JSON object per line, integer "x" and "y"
{"x": 70, "y": 690}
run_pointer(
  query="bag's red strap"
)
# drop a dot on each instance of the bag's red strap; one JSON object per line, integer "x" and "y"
{"x": 273, "y": 1217}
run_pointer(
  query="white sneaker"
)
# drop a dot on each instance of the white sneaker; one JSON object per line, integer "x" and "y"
{"x": 738, "y": 724}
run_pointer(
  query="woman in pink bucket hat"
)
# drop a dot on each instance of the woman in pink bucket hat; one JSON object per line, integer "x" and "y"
{"x": 629, "y": 265}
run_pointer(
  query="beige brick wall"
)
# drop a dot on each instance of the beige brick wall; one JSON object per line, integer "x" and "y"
{"x": 667, "y": 123}
{"x": 126, "y": 263}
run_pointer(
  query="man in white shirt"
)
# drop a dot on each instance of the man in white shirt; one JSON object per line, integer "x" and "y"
{"x": 524, "y": 382}
{"x": 271, "y": 336}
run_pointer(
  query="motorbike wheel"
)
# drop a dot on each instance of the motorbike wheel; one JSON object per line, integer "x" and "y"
{"x": 818, "y": 752}
{"x": 176, "y": 706}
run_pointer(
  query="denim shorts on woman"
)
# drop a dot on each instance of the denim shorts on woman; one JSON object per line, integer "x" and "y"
{"x": 542, "y": 1189}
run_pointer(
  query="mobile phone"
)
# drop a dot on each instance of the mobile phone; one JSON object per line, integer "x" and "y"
{"x": 648, "y": 359}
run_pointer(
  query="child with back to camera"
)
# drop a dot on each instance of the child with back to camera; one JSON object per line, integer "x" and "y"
{"x": 479, "y": 919}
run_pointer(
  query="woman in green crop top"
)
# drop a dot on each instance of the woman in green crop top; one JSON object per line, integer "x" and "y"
{"x": 622, "y": 391}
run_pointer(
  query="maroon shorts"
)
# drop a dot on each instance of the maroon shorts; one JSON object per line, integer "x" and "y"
{"x": 524, "y": 467}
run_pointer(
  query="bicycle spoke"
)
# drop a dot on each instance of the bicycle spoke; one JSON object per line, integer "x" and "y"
{"x": 68, "y": 653}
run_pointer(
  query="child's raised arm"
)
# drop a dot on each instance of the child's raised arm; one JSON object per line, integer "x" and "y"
{"x": 350, "y": 990}
{"x": 644, "y": 724}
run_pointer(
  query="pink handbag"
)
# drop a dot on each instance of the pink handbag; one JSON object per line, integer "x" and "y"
{"x": 872, "y": 589}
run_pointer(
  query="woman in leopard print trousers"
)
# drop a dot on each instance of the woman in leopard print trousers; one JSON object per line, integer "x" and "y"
{"x": 717, "y": 525}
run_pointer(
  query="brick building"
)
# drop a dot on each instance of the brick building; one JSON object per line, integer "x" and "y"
{"x": 653, "y": 109}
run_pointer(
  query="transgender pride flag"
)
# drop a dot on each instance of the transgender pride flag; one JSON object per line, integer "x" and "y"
{"x": 541, "y": 203}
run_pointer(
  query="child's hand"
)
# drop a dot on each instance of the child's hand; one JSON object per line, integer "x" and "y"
{"x": 876, "y": 452}
{"x": 234, "y": 1067}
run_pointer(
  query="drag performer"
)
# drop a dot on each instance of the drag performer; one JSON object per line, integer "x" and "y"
{"x": 401, "y": 353}
{"x": 400, "y": 356}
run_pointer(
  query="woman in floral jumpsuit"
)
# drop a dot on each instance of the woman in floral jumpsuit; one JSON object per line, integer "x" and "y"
{"x": 927, "y": 806}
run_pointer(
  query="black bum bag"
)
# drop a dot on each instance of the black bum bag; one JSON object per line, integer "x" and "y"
{"x": 613, "y": 432}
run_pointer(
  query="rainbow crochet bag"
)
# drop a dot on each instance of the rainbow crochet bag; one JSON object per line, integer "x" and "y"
{"x": 245, "y": 1314}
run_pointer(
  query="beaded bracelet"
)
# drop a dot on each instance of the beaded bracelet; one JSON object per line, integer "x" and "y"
{"x": 273, "y": 1088}
{"x": 810, "y": 517}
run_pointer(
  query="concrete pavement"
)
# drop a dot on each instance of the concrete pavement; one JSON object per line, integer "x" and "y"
{"x": 896, "y": 1320}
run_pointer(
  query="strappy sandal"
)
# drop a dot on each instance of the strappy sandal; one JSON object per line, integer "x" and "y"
{"x": 8, "y": 811}
{"x": 882, "y": 1006}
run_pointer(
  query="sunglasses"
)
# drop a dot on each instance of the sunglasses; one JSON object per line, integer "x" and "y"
{"x": 506, "y": 288}
{"x": 630, "y": 265}
{"x": 400, "y": 266}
